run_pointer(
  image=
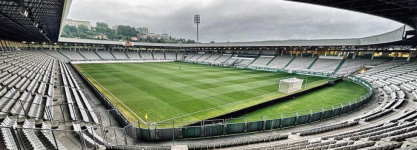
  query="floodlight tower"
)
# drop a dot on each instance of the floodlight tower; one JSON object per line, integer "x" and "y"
{"x": 197, "y": 21}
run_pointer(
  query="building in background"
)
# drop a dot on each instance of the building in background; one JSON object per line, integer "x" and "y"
{"x": 101, "y": 36}
{"x": 152, "y": 35}
{"x": 77, "y": 23}
{"x": 165, "y": 36}
{"x": 142, "y": 30}
{"x": 134, "y": 38}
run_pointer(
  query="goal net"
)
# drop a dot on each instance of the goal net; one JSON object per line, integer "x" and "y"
{"x": 290, "y": 85}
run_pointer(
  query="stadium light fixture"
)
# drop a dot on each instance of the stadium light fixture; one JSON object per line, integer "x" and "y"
{"x": 36, "y": 24}
{"x": 197, "y": 21}
{"x": 23, "y": 11}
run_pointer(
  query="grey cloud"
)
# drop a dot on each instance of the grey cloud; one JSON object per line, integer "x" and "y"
{"x": 234, "y": 20}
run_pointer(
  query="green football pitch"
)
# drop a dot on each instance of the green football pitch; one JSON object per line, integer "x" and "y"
{"x": 185, "y": 92}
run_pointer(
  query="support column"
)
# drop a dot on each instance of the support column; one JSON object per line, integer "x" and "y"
{"x": 373, "y": 53}
{"x": 409, "y": 56}
{"x": 282, "y": 52}
{"x": 354, "y": 55}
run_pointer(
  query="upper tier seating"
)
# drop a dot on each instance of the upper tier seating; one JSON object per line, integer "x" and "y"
{"x": 170, "y": 56}
{"x": 204, "y": 57}
{"x": 351, "y": 65}
{"x": 222, "y": 58}
{"x": 300, "y": 63}
{"x": 180, "y": 55}
{"x": 133, "y": 55}
{"x": 159, "y": 55}
{"x": 212, "y": 58}
{"x": 105, "y": 54}
{"x": 146, "y": 55}
{"x": 119, "y": 54}
{"x": 244, "y": 62}
{"x": 325, "y": 65}
{"x": 55, "y": 54}
{"x": 195, "y": 57}
{"x": 72, "y": 54}
{"x": 280, "y": 62}
{"x": 395, "y": 72}
{"x": 90, "y": 55}
{"x": 262, "y": 61}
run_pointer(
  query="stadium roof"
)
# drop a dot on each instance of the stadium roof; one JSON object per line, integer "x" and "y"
{"x": 32, "y": 20}
{"x": 404, "y": 11}
{"x": 393, "y": 36}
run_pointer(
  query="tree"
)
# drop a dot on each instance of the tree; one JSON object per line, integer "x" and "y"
{"x": 72, "y": 29}
{"x": 102, "y": 27}
{"x": 126, "y": 31}
{"x": 83, "y": 28}
{"x": 63, "y": 34}
{"x": 83, "y": 36}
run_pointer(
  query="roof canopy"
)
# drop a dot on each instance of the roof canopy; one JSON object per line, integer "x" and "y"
{"x": 32, "y": 20}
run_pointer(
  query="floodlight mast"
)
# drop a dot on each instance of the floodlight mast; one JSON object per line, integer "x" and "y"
{"x": 197, "y": 21}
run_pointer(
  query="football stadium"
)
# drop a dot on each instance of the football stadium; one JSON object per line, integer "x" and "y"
{"x": 62, "y": 92}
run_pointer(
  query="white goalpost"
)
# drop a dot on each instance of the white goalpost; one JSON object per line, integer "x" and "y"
{"x": 290, "y": 85}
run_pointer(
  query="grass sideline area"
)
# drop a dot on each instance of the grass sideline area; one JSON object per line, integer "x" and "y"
{"x": 184, "y": 92}
{"x": 333, "y": 95}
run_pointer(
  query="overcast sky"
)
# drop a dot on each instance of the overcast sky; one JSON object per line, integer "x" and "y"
{"x": 233, "y": 20}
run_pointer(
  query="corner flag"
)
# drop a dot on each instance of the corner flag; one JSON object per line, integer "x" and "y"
{"x": 146, "y": 116}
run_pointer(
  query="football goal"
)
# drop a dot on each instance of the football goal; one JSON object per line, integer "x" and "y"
{"x": 290, "y": 85}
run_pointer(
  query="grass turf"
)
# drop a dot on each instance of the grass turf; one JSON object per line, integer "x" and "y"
{"x": 326, "y": 97}
{"x": 193, "y": 93}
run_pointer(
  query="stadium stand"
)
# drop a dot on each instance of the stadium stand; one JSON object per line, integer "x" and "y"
{"x": 324, "y": 65}
{"x": 119, "y": 54}
{"x": 90, "y": 55}
{"x": 243, "y": 62}
{"x": 327, "y": 128}
{"x": 31, "y": 88}
{"x": 223, "y": 58}
{"x": 212, "y": 58}
{"x": 300, "y": 63}
{"x": 170, "y": 56}
{"x": 47, "y": 133}
{"x": 54, "y": 54}
{"x": 31, "y": 137}
{"x": 72, "y": 54}
{"x": 146, "y": 55}
{"x": 195, "y": 57}
{"x": 262, "y": 61}
{"x": 104, "y": 54}
{"x": 280, "y": 62}
{"x": 180, "y": 55}
{"x": 159, "y": 55}
{"x": 204, "y": 57}
{"x": 133, "y": 55}
{"x": 352, "y": 65}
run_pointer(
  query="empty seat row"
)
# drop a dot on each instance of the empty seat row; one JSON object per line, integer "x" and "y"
{"x": 76, "y": 96}
{"x": 328, "y": 128}
{"x": 238, "y": 142}
{"x": 85, "y": 137}
{"x": 28, "y": 131}
{"x": 47, "y": 132}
